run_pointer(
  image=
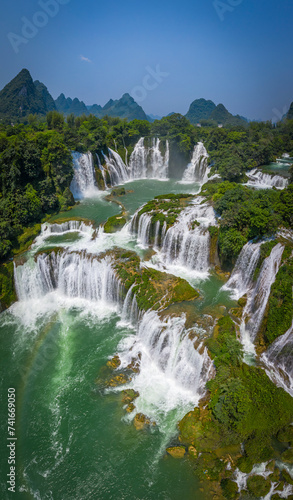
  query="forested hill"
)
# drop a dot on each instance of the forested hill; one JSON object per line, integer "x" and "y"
{"x": 206, "y": 112}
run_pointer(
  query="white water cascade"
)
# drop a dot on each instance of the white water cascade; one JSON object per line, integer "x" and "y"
{"x": 172, "y": 372}
{"x": 83, "y": 184}
{"x": 173, "y": 368}
{"x": 143, "y": 231}
{"x": 198, "y": 169}
{"x": 278, "y": 361}
{"x": 258, "y": 298}
{"x": 186, "y": 243}
{"x": 148, "y": 162}
{"x": 70, "y": 226}
{"x": 117, "y": 169}
{"x": 241, "y": 279}
{"x": 71, "y": 275}
{"x": 260, "y": 180}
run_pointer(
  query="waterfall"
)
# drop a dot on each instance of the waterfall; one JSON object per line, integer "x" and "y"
{"x": 172, "y": 372}
{"x": 186, "y": 243}
{"x": 116, "y": 167}
{"x": 66, "y": 227}
{"x": 138, "y": 161}
{"x": 259, "y": 179}
{"x": 148, "y": 162}
{"x": 259, "y": 296}
{"x": 72, "y": 275}
{"x": 278, "y": 361}
{"x": 130, "y": 310}
{"x": 241, "y": 279}
{"x": 83, "y": 184}
{"x": 198, "y": 169}
{"x": 143, "y": 233}
{"x": 157, "y": 234}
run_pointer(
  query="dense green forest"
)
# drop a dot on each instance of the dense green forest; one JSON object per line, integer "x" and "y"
{"x": 36, "y": 169}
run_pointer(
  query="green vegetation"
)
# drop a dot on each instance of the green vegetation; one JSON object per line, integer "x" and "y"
{"x": 7, "y": 291}
{"x": 114, "y": 224}
{"x": 153, "y": 289}
{"x": 248, "y": 214}
{"x": 280, "y": 308}
{"x": 243, "y": 408}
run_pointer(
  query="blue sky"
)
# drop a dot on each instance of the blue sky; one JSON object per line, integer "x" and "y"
{"x": 238, "y": 52}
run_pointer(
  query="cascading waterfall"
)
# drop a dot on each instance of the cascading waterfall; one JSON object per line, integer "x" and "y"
{"x": 260, "y": 180}
{"x": 130, "y": 311}
{"x": 241, "y": 279}
{"x": 70, "y": 274}
{"x": 258, "y": 298}
{"x": 117, "y": 169}
{"x": 143, "y": 232}
{"x": 172, "y": 373}
{"x": 278, "y": 361}
{"x": 198, "y": 169}
{"x": 170, "y": 362}
{"x": 186, "y": 243}
{"x": 83, "y": 184}
{"x": 148, "y": 162}
{"x": 66, "y": 227}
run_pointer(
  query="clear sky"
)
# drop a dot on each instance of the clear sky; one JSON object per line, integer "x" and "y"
{"x": 238, "y": 52}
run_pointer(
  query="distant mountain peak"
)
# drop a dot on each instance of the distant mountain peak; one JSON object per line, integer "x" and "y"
{"x": 21, "y": 96}
{"x": 202, "y": 109}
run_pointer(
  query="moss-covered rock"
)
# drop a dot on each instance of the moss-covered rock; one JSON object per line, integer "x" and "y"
{"x": 129, "y": 395}
{"x": 176, "y": 451}
{"x": 120, "y": 379}
{"x": 118, "y": 191}
{"x": 153, "y": 289}
{"x": 258, "y": 486}
{"x": 242, "y": 301}
{"x": 140, "y": 421}
{"x": 114, "y": 362}
{"x": 114, "y": 224}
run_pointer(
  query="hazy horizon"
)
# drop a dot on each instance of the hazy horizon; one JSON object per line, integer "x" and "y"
{"x": 165, "y": 55}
